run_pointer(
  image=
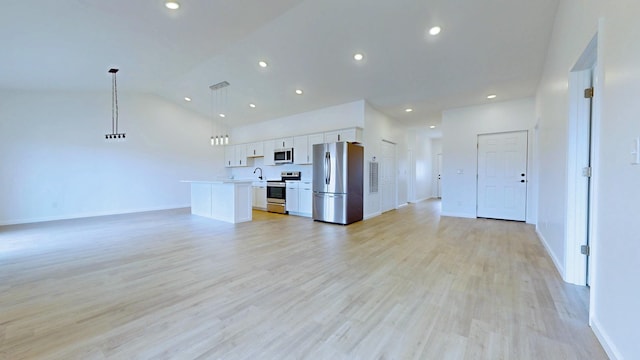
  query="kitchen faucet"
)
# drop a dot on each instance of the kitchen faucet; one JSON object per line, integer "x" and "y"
{"x": 254, "y": 171}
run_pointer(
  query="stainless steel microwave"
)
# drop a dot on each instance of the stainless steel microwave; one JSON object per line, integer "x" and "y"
{"x": 283, "y": 156}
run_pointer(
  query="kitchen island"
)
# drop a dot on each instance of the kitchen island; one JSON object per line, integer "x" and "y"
{"x": 225, "y": 200}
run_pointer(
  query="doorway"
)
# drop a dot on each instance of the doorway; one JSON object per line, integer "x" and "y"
{"x": 388, "y": 176}
{"x": 502, "y": 176}
{"x": 439, "y": 175}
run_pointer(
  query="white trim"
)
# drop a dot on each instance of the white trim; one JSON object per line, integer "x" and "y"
{"x": 605, "y": 340}
{"x": 91, "y": 214}
{"x": 372, "y": 215}
{"x": 552, "y": 255}
{"x": 460, "y": 215}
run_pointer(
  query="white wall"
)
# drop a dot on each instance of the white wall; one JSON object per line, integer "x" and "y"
{"x": 460, "y": 129}
{"x": 342, "y": 116}
{"x": 380, "y": 127}
{"x": 615, "y": 244}
{"x": 55, "y": 164}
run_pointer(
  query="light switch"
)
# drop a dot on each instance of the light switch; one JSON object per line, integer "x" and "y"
{"x": 635, "y": 151}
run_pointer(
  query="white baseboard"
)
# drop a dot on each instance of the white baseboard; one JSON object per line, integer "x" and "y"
{"x": 605, "y": 340}
{"x": 89, "y": 214}
{"x": 402, "y": 205}
{"x": 372, "y": 215}
{"x": 460, "y": 215}
{"x": 556, "y": 262}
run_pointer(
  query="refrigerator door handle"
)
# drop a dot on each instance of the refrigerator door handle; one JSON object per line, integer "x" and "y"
{"x": 327, "y": 167}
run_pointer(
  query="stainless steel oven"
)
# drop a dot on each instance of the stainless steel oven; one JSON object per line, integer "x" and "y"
{"x": 277, "y": 192}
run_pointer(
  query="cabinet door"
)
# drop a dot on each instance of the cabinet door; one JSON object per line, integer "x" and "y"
{"x": 283, "y": 143}
{"x": 268, "y": 152}
{"x": 305, "y": 198}
{"x": 261, "y": 199}
{"x": 300, "y": 150}
{"x": 312, "y": 140}
{"x": 255, "y": 149}
{"x": 241, "y": 155}
{"x": 331, "y": 137}
{"x": 229, "y": 156}
{"x": 292, "y": 196}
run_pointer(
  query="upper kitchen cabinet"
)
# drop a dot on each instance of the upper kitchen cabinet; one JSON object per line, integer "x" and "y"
{"x": 268, "y": 147}
{"x": 283, "y": 143}
{"x": 303, "y": 147}
{"x": 255, "y": 149}
{"x": 235, "y": 155}
{"x": 350, "y": 135}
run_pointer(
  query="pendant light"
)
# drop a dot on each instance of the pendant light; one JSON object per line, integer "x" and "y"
{"x": 114, "y": 135}
{"x": 218, "y": 97}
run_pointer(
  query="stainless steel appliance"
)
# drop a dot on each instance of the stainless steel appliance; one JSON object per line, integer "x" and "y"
{"x": 283, "y": 156}
{"x": 277, "y": 192}
{"x": 338, "y": 182}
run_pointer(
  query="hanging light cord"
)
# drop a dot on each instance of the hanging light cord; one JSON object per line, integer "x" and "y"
{"x": 114, "y": 106}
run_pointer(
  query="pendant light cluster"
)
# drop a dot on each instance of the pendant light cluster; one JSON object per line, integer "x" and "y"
{"x": 114, "y": 135}
{"x": 218, "y": 104}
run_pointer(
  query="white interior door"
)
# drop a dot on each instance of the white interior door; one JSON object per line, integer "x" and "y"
{"x": 439, "y": 176}
{"x": 388, "y": 176}
{"x": 502, "y": 176}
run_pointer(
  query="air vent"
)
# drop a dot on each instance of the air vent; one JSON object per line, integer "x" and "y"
{"x": 373, "y": 177}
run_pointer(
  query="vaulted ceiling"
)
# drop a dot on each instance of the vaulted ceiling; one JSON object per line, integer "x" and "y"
{"x": 487, "y": 46}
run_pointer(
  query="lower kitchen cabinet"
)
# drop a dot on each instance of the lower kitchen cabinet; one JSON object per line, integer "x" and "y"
{"x": 260, "y": 195}
{"x": 299, "y": 198}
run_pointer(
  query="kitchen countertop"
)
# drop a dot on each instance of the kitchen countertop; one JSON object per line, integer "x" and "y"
{"x": 220, "y": 181}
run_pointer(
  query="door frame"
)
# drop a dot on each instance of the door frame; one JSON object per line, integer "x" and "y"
{"x": 527, "y": 168}
{"x": 580, "y": 214}
{"x": 394, "y": 171}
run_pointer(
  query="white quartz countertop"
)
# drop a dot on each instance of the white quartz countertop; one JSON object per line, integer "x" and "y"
{"x": 219, "y": 181}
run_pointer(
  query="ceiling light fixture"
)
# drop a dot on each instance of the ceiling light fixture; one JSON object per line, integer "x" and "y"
{"x": 432, "y": 127}
{"x": 263, "y": 64}
{"x": 222, "y": 115}
{"x": 115, "y": 135}
{"x": 173, "y": 5}
{"x": 298, "y": 91}
{"x": 492, "y": 96}
{"x": 408, "y": 110}
{"x": 358, "y": 57}
{"x": 435, "y": 30}
{"x": 187, "y": 99}
{"x": 216, "y": 98}
{"x": 252, "y": 105}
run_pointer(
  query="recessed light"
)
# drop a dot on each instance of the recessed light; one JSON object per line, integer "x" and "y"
{"x": 435, "y": 30}
{"x": 173, "y": 5}
{"x": 252, "y": 105}
{"x": 263, "y": 64}
{"x": 222, "y": 115}
{"x": 358, "y": 57}
{"x": 298, "y": 91}
{"x": 408, "y": 110}
{"x": 492, "y": 96}
{"x": 432, "y": 127}
{"x": 187, "y": 99}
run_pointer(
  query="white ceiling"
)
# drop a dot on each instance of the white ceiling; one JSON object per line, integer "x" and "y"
{"x": 488, "y": 46}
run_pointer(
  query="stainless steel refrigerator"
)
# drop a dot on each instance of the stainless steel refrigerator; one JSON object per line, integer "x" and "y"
{"x": 338, "y": 182}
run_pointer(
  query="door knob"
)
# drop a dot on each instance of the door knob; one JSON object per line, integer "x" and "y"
{"x": 522, "y": 174}
{"x": 521, "y": 181}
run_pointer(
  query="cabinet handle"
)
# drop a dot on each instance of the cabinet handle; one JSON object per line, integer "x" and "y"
{"x": 338, "y": 137}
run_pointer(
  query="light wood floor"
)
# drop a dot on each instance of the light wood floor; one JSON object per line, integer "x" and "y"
{"x": 404, "y": 285}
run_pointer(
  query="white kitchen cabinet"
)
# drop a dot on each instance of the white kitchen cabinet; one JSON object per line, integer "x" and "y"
{"x": 260, "y": 195}
{"x": 301, "y": 150}
{"x": 292, "y": 196}
{"x": 268, "y": 152}
{"x": 255, "y": 149}
{"x": 351, "y": 135}
{"x": 235, "y": 155}
{"x": 283, "y": 143}
{"x": 305, "y": 198}
{"x": 299, "y": 198}
{"x": 303, "y": 147}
